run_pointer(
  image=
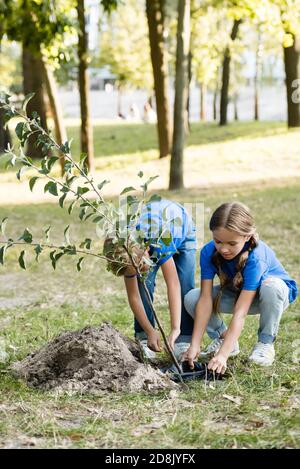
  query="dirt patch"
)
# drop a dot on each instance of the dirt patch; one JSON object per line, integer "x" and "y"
{"x": 89, "y": 361}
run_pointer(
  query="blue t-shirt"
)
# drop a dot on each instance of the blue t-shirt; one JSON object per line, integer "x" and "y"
{"x": 175, "y": 222}
{"x": 261, "y": 263}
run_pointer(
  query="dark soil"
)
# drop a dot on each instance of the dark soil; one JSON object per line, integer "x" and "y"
{"x": 88, "y": 361}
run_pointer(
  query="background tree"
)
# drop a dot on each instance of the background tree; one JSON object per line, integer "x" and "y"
{"x": 86, "y": 129}
{"x": 155, "y": 10}
{"x": 181, "y": 94}
{"x": 125, "y": 48}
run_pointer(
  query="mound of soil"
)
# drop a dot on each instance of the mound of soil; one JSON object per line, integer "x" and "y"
{"x": 88, "y": 361}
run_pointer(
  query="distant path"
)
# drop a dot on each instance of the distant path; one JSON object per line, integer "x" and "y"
{"x": 267, "y": 160}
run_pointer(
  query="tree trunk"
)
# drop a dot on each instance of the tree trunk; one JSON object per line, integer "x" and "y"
{"x": 258, "y": 56}
{"x": 188, "y": 104}
{"x": 33, "y": 82}
{"x": 235, "y": 107}
{"x": 292, "y": 72}
{"x": 86, "y": 133}
{"x": 56, "y": 110}
{"x": 226, "y": 75}
{"x": 155, "y": 17}
{"x": 5, "y": 138}
{"x": 181, "y": 94}
{"x": 202, "y": 101}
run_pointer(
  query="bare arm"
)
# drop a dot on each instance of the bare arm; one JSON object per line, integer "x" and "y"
{"x": 202, "y": 316}
{"x": 174, "y": 297}
{"x": 137, "y": 307}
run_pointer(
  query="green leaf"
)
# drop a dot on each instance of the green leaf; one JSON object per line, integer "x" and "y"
{"x": 71, "y": 250}
{"x": 140, "y": 174}
{"x": 70, "y": 209}
{"x": 86, "y": 243}
{"x": 79, "y": 264}
{"x": 62, "y": 200}
{"x": 27, "y": 98}
{"x": 38, "y": 250}
{"x": 65, "y": 148}
{"x": 51, "y": 161}
{"x": 155, "y": 198}
{"x": 26, "y": 236}
{"x": 82, "y": 190}
{"x": 97, "y": 219}
{"x": 167, "y": 238}
{"x": 20, "y": 128}
{"x": 83, "y": 212}
{"x": 3, "y": 226}
{"x": 20, "y": 172}
{"x": 32, "y": 182}
{"x": 127, "y": 189}
{"x": 22, "y": 260}
{"x": 67, "y": 235}
{"x": 47, "y": 233}
{"x": 100, "y": 186}
{"x": 11, "y": 161}
{"x": 51, "y": 187}
{"x": 55, "y": 258}
{"x": 52, "y": 258}
{"x": 2, "y": 254}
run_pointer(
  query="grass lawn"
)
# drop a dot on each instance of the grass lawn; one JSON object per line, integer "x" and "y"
{"x": 253, "y": 408}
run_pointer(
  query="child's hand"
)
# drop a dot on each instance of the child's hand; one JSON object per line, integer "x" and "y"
{"x": 191, "y": 355}
{"x": 172, "y": 337}
{"x": 154, "y": 341}
{"x": 218, "y": 364}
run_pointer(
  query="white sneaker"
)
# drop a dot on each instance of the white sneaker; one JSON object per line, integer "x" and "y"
{"x": 263, "y": 354}
{"x": 215, "y": 346}
{"x": 180, "y": 348}
{"x": 146, "y": 351}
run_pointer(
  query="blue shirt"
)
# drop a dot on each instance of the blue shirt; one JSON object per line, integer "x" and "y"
{"x": 261, "y": 263}
{"x": 177, "y": 226}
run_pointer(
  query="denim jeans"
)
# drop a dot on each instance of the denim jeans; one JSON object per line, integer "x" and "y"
{"x": 185, "y": 266}
{"x": 271, "y": 299}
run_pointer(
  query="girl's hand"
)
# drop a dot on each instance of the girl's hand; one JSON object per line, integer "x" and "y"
{"x": 218, "y": 364}
{"x": 154, "y": 341}
{"x": 191, "y": 355}
{"x": 172, "y": 337}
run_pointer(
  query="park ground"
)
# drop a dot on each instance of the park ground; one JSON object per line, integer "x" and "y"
{"x": 256, "y": 163}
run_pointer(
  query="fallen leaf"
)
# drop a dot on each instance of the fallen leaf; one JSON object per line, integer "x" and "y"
{"x": 235, "y": 399}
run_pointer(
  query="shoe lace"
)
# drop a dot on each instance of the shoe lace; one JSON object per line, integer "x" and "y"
{"x": 215, "y": 345}
{"x": 261, "y": 349}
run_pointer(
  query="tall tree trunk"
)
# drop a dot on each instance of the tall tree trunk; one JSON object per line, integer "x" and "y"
{"x": 226, "y": 75}
{"x": 86, "y": 133}
{"x": 292, "y": 72}
{"x": 235, "y": 107}
{"x": 155, "y": 17}
{"x": 56, "y": 110}
{"x": 188, "y": 104}
{"x": 258, "y": 56}
{"x": 202, "y": 101}
{"x": 33, "y": 83}
{"x": 5, "y": 138}
{"x": 181, "y": 94}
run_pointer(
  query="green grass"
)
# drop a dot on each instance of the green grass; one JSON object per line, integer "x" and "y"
{"x": 140, "y": 140}
{"x": 266, "y": 411}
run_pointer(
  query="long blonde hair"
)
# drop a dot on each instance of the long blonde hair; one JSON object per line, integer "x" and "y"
{"x": 236, "y": 217}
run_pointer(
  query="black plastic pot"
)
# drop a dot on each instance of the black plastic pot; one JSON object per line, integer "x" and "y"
{"x": 200, "y": 371}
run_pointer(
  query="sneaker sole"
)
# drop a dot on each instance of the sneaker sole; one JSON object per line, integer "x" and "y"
{"x": 259, "y": 363}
